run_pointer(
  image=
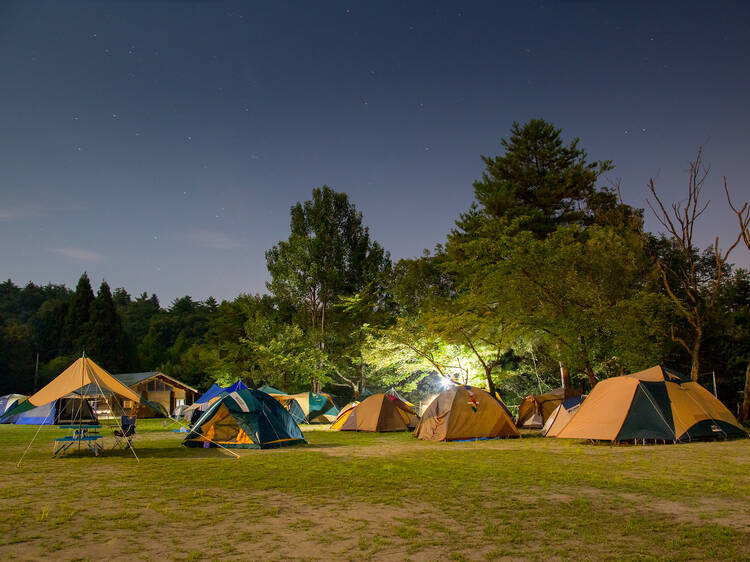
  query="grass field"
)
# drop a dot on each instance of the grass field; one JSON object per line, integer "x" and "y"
{"x": 374, "y": 496}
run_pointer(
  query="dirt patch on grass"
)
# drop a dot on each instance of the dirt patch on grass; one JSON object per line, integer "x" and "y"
{"x": 381, "y": 497}
{"x": 733, "y": 513}
{"x": 728, "y": 512}
{"x": 256, "y": 525}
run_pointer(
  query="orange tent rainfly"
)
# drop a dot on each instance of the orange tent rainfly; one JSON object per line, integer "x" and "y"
{"x": 465, "y": 412}
{"x": 657, "y": 404}
{"x": 379, "y": 412}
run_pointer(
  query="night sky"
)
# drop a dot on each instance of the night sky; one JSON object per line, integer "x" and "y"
{"x": 160, "y": 145}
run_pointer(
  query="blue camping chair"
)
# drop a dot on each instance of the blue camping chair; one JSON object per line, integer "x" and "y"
{"x": 125, "y": 435}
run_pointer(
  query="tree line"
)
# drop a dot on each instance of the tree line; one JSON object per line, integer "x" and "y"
{"x": 549, "y": 274}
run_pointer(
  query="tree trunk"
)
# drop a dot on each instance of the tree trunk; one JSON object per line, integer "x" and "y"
{"x": 745, "y": 411}
{"x": 321, "y": 344}
{"x": 695, "y": 358}
{"x": 490, "y": 384}
{"x": 565, "y": 380}
{"x": 323, "y": 305}
{"x": 590, "y": 374}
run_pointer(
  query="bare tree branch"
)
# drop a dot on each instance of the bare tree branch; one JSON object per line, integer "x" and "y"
{"x": 697, "y": 296}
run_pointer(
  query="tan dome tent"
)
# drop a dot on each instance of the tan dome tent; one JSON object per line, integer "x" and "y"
{"x": 344, "y": 414}
{"x": 393, "y": 392}
{"x": 465, "y": 412}
{"x": 657, "y": 404}
{"x": 535, "y": 409}
{"x": 561, "y": 416}
{"x": 379, "y": 412}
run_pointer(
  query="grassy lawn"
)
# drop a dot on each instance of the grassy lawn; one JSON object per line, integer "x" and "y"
{"x": 374, "y": 496}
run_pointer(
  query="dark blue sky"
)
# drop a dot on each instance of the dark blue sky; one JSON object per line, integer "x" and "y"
{"x": 159, "y": 145}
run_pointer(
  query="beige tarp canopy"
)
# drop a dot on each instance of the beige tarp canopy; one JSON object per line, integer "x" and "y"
{"x": 81, "y": 373}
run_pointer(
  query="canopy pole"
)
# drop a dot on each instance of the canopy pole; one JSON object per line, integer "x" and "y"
{"x": 208, "y": 439}
{"x": 111, "y": 409}
{"x": 80, "y": 413}
{"x": 204, "y": 436}
{"x": 18, "y": 464}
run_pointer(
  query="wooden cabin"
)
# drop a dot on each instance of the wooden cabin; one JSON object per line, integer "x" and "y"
{"x": 153, "y": 386}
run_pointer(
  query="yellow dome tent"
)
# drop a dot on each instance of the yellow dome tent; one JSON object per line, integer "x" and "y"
{"x": 378, "y": 412}
{"x": 465, "y": 412}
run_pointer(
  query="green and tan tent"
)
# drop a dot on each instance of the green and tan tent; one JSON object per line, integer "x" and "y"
{"x": 245, "y": 419}
{"x": 268, "y": 389}
{"x": 292, "y": 406}
{"x": 465, "y": 412}
{"x": 657, "y": 404}
{"x": 318, "y": 407}
{"x": 535, "y": 409}
{"x": 7, "y": 402}
{"x": 80, "y": 374}
{"x": 378, "y": 412}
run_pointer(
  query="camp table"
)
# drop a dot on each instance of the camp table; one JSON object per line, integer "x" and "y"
{"x": 81, "y": 434}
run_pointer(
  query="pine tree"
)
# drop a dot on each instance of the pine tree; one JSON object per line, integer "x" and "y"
{"x": 538, "y": 177}
{"x": 106, "y": 340}
{"x": 76, "y": 326}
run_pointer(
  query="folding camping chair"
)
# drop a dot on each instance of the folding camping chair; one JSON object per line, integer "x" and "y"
{"x": 125, "y": 435}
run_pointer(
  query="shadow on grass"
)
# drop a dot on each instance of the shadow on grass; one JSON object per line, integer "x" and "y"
{"x": 321, "y": 445}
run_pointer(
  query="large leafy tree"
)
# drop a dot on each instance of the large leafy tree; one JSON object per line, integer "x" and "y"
{"x": 586, "y": 293}
{"x": 16, "y": 358}
{"x": 328, "y": 255}
{"x": 544, "y": 251}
